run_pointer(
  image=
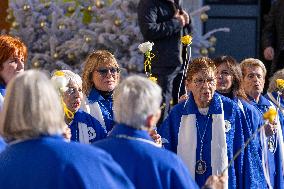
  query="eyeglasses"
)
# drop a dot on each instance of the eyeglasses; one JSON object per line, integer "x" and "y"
{"x": 199, "y": 82}
{"x": 71, "y": 91}
{"x": 104, "y": 71}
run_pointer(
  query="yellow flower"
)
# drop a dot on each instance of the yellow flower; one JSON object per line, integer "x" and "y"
{"x": 186, "y": 40}
{"x": 280, "y": 84}
{"x": 270, "y": 115}
{"x": 58, "y": 73}
{"x": 154, "y": 79}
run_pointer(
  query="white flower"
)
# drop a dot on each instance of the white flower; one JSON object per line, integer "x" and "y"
{"x": 144, "y": 47}
{"x": 60, "y": 83}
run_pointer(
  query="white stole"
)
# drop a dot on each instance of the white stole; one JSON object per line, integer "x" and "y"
{"x": 86, "y": 133}
{"x": 94, "y": 110}
{"x": 263, "y": 141}
{"x": 83, "y": 133}
{"x": 1, "y": 102}
{"x": 187, "y": 143}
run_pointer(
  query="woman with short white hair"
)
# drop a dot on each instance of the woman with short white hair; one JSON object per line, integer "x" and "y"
{"x": 37, "y": 156}
{"x": 84, "y": 127}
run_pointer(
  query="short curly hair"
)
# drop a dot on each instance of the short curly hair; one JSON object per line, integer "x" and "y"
{"x": 252, "y": 62}
{"x": 93, "y": 61}
{"x": 197, "y": 64}
{"x": 8, "y": 47}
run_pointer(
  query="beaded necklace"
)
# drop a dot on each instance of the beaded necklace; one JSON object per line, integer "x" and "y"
{"x": 200, "y": 166}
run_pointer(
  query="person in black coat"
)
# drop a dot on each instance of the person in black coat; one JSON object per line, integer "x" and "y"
{"x": 273, "y": 36}
{"x": 162, "y": 22}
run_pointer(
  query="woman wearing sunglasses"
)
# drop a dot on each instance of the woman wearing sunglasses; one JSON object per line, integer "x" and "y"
{"x": 100, "y": 77}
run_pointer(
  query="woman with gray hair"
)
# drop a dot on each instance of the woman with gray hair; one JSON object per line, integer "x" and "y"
{"x": 84, "y": 127}
{"x": 130, "y": 144}
{"x": 37, "y": 155}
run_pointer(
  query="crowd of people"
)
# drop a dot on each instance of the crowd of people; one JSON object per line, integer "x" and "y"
{"x": 96, "y": 131}
{"x": 65, "y": 131}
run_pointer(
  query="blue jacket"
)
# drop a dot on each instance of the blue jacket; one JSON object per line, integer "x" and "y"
{"x": 105, "y": 106}
{"x": 274, "y": 158}
{"x": 50, "y": 162}
{"x": 95, "y": 129}
{"x": 146, "y": 165}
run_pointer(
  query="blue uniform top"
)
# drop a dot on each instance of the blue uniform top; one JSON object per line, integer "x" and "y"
{"x": 274, "y": 156}
{"x": 50, "y": 162}
{"x": 147, "y": 165}
{"x": 253, "y": 172}
{"x": 2, "y": 94}
{"x": 169, "y": 130}
{"x": 106, "y": 105}
{"x": 2, "y": 144}
{"x": 274, "y": 100}
{"x": 95, "y": 130}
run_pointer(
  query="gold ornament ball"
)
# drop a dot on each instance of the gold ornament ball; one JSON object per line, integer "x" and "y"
{"x": 9, "y": 17}
{"x": 203, "y": 51}
{"x": 26, "y": 7}
{"x": 90, "y": 8}
{"x": 71, "y": 9}
{"x": 212, "y": 49}
{"x": 213, "y": 40}
{"x": 36, "y": 64}
{"x": 55, "y": 55}
{"x": 203, "y": 17}
{"x": 71, "y": 56}
{"x": 117, "y": 22}
{"x": 99, "y": 4}
{"x": 15, "y": 25}
{"x": 88, "y": 39}
{"x": 42, "y": 24}
{"x": 61, "y": 26}
{"x": 47, "y": 5}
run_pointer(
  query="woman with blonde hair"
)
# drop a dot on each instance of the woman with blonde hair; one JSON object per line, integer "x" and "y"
{"x": 100, "y": 77}
{"x": 37, "y": 156}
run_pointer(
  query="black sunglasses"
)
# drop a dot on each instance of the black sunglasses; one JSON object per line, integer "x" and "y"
{"x": 104, "y": 71}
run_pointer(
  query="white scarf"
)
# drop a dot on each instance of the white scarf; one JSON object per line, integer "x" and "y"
{"x": 94, "y": 110}
{"x": 263, "y": 141}
{"x": 275, "y": 101}
{"x": 187, "y": 143}
{"x": 1, "y": 102}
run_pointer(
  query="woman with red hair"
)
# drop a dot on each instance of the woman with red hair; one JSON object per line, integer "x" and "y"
{"x": 13, "y": 55}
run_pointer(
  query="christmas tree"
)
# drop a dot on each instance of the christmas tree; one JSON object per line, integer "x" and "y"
{"x": 60, "y": 34}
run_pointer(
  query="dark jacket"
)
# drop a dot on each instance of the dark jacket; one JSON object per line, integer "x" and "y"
{"x": 156, "y": 22}
{"x": 273, "y": 32}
